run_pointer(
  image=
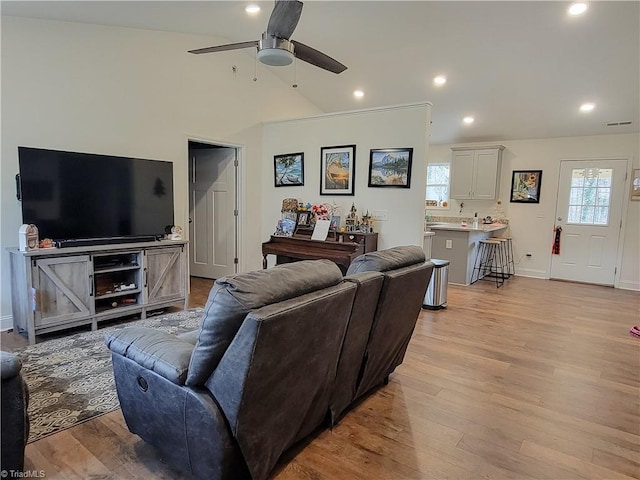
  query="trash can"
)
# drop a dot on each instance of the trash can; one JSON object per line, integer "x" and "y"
{"x": 436, "y": 296}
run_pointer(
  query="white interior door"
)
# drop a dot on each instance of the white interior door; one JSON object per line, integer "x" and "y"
{"x": 212, "y": 211}
{"x": 589, "y": 210}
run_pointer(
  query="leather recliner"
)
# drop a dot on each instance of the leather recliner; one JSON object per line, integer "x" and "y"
{"x": 14, "y": 420}
{"x": 258, "y": 379}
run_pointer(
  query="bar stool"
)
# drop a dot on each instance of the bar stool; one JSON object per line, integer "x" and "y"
{"x": 489, "y": 262}
{"x": 507, "y": 252}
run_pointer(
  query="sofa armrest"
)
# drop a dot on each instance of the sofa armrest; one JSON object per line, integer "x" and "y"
{"x": 161, "y": 352}
{"x": 10, "y": 365}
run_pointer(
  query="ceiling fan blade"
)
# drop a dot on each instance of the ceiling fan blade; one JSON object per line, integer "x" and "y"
{"x": 222, "y": 48}
{"x": 284, "y": 18}
{"x": 317, "y": 58}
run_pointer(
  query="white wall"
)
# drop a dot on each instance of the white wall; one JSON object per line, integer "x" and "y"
{"x": 401, "y": 126}
{"x": 130, "y": 92}
{"x": 532, "y": 224}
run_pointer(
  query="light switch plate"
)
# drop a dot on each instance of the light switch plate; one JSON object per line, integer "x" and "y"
{"x": 448, "y": 244}
{"x": 381, "y": 215}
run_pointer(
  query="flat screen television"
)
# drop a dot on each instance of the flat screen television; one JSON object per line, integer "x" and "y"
{"x": 81, "y": 198}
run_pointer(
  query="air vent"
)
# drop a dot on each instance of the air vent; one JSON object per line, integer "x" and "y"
{"x": 617, "y": 124}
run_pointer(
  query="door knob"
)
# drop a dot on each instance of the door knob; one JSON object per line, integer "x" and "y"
{"x": 559, "y": 219}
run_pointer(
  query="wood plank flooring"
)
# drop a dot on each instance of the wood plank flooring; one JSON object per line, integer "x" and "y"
{"x": 534, "y": 380}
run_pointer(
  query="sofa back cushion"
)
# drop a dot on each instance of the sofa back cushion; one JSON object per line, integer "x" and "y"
{"x": 274, "y": 382}
{"x": 385, "y": 260}
{"x": 233, "y": 297}
{"x": 399, "y": 305}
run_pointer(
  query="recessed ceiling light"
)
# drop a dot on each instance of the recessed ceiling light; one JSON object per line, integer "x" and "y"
{"x": 577, "y": 8}
{"x": 587, "y": 107}
{"x": 440, "y": 80}
{"x": 252, "y": 9}
{"x": 468, "y": 120}
{"x": 358, "y": 93}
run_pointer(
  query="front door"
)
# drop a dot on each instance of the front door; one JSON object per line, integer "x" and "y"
{"x": 212, "y": 210}
{"x": 589, "y": 211}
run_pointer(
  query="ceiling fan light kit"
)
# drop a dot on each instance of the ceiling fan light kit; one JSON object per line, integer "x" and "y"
{"x": 275, "y": 47}
{"x": 276, "y": 52}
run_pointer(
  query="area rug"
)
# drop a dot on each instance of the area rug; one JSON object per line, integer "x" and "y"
{"x": 70, "y": 378}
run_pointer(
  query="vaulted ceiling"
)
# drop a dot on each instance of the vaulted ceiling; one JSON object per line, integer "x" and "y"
{"x": 521, "y": 69}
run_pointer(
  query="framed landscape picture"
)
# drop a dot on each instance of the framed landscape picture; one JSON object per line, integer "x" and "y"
{"x": 390, "y": 167}
{"x": 525, "y": 186}
{"x": 337, "y": 170}
{"x": 288, "y": 170}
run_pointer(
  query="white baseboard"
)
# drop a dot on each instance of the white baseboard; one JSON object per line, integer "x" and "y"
{"x": 6, "y": 323}
{"x": 629, "y": 286}
{"x": 526, "y": 272}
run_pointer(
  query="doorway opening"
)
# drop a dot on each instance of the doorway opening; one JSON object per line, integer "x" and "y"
{"x": 213, "y": 209}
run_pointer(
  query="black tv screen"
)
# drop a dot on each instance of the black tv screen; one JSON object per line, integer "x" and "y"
{"x": 70, "y": 195}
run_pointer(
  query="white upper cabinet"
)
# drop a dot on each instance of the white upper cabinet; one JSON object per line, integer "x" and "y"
{"x": 475, "y": 172}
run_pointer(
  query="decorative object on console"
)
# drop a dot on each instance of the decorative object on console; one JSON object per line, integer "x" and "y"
{"x": 390, "y": 167}
{"x": 321, "y": 230}
{"x": 28, "y": 238}
{"x": 303, "y": 219}
{"x": 176, "y": 233}
{"x": 337, "y": 170}
{"x": 289, "y": 205}
{"x": 288, "y": 170}
{"x": 285, "y": 227}
{"x": 352, "y": 220}
{"x": 525, "y": 186}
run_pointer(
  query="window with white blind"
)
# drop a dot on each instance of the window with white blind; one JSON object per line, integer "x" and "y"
{"x": 437, "y": 185}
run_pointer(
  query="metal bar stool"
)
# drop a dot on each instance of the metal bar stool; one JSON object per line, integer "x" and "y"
{"x": 489, "y": 262}
{"x": 507, "y": 252}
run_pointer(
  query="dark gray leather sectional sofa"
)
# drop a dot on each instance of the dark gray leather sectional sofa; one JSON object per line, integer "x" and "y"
{"x": 279, "y": 351}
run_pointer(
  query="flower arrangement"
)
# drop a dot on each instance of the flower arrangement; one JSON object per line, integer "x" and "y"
{"x": 322, "y": 211}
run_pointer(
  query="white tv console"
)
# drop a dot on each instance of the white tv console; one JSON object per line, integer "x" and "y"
{"x": 58, "y": 288}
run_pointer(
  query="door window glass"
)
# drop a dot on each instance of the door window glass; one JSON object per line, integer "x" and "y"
{"x": 589, "y": 196}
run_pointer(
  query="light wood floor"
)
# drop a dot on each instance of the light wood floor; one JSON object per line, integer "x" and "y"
{"x": 535, "y": 380}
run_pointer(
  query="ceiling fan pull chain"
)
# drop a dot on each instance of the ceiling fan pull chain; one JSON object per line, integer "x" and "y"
{"x": 255, "y": 67}
{"x": 295, "y": 73}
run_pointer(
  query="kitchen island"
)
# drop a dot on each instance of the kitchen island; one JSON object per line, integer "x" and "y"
{"x": 459, "y": 245}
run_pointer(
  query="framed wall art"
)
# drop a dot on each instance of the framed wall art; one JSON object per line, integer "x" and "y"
{"x": 288, "y": 170}
{"x": 525, "y": 186}
{"x": 390, "y": 167}
{"x": 337, "y": 170}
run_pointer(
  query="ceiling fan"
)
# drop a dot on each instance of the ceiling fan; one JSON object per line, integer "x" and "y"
{"x": 275, "y": 47}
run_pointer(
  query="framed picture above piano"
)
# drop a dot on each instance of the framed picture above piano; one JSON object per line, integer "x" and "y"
{"x": 288, "y": 170}
{"x": 337, "y": 170}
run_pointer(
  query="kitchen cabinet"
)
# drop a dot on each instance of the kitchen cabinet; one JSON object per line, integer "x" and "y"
{"x": 475, "y": 172}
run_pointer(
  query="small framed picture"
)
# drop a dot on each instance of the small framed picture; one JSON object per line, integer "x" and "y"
{"x": 337, "y": 170}
{"x": 525, "y": 186}
{"x": 390, "y": 167}
{"x": 303, "y": 219}
{"x": 335, "y": 223}
{"x": 288, "y": 170}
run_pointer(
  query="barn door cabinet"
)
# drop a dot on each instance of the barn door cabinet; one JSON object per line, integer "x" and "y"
{"x": 56, "y": 289}
{"x": 475, "y": 172}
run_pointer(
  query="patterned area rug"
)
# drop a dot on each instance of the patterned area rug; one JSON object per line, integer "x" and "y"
{"x": 71, "y": 378}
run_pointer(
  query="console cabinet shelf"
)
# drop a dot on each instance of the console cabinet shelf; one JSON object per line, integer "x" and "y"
{"x": 59, "y": 288}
